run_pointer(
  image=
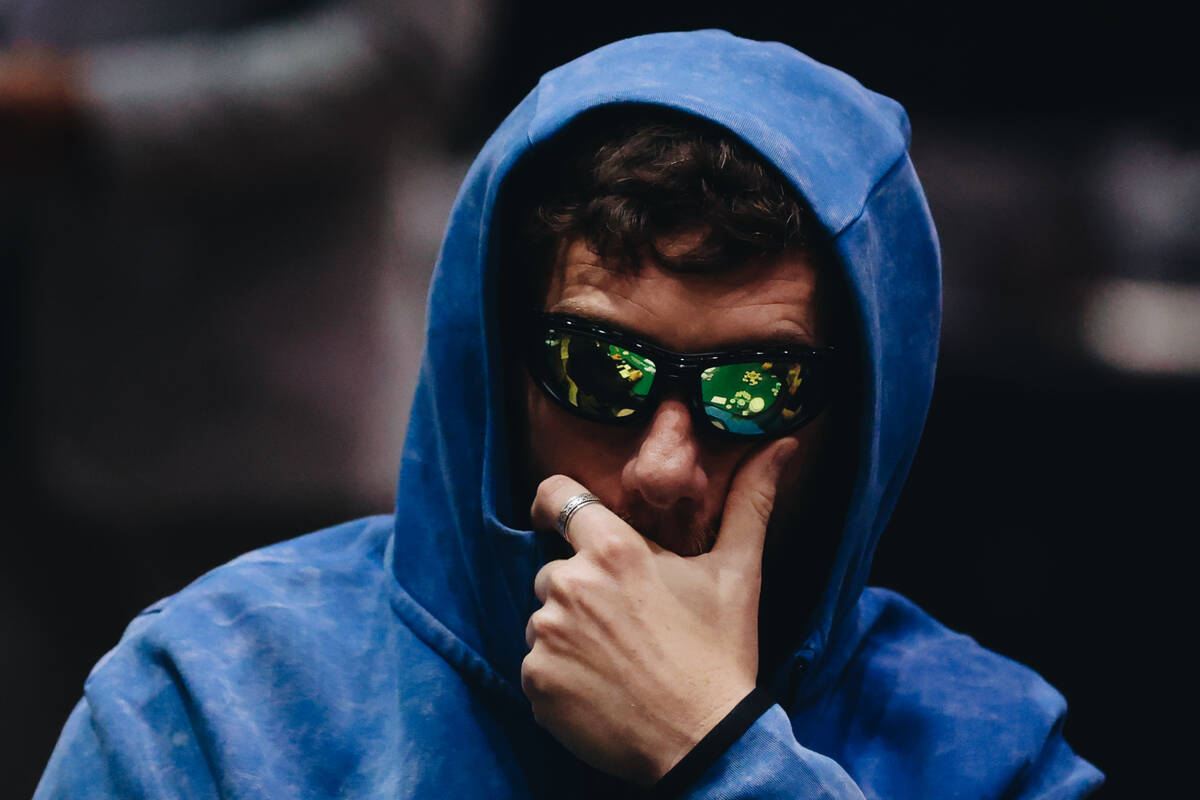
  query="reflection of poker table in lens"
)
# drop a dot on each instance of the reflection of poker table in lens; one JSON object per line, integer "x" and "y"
{"x": 603, "y": 378}
{"x": 611, "y": 380}
{"x": 744, "y": 398}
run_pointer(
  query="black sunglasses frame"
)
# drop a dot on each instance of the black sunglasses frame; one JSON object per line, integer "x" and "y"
{"x": 680, "y": 369}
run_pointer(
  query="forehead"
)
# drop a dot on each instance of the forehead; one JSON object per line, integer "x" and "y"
{"x": 769, "y": 301}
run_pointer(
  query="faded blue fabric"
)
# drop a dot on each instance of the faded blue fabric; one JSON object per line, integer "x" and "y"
{"x": 381, "y": 658}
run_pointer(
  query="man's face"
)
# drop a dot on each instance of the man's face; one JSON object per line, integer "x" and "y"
{"x": 667, "y": 478}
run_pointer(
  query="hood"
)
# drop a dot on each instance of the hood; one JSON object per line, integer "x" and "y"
{"x": 844, "y": 150}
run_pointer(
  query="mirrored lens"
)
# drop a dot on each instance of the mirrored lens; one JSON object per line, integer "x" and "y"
{"x": 753, "y": 398}
{"x": 600, "y": 379}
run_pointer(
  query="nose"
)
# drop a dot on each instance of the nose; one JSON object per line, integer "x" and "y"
{"x": 666, "y": 466}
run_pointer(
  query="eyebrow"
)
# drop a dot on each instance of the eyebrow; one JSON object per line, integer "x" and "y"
{"x": 794, "y": 338}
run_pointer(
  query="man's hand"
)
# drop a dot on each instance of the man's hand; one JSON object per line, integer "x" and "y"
{"x": 636, "y": 653}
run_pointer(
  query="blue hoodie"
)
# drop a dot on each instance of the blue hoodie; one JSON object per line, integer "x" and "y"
{"x": 381, "y": 658}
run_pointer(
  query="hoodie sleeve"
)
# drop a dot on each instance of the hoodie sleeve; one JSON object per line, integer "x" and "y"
{"x": 768, "y": 763}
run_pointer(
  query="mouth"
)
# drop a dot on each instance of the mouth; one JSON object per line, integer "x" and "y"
{"x": 682, "y": 530}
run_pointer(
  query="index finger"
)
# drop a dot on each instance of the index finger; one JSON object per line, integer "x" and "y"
{"x": 590, "y": 526}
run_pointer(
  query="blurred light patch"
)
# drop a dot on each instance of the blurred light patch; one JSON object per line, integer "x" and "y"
{"x": 1145, "y": 326}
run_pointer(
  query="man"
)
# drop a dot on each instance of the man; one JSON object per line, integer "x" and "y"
{"x": 690, "y": 292}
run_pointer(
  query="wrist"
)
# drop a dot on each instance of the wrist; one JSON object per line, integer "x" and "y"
{"x": 673, "y": 749}
{"x": 714, "y": 744}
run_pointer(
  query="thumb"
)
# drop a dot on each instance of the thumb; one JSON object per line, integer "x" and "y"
{"x": 749, "y": 503}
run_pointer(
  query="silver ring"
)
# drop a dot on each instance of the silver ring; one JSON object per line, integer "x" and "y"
{"x": 573, "y": 504}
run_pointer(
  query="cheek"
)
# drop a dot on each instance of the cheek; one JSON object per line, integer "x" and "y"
{"x": 537, "y": 445}
{"x": 558, "y": 443}
{"x": 799, "y": 477}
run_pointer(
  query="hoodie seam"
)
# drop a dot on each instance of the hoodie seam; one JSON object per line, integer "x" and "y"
{"x": 879, "y": 182}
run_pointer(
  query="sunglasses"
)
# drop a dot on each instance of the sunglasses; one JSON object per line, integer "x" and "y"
{"x": 605, "y": 375}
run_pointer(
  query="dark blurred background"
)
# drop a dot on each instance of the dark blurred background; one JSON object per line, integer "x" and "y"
{"x": 217, "y": 223}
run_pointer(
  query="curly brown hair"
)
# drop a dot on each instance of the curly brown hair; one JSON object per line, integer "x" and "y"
{"x": 629, "y": 178}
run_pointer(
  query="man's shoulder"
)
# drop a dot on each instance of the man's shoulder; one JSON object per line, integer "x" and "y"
{"x": 911, "y": 708}
{"x": 940, "y": 691}
{"x": 288, "y": 668}
{"x": 335, "y": 558}
{"x": 903, "y": 640}
{"x": 311, "y": 593}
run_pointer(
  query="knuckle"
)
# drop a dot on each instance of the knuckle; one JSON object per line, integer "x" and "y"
{"x": 554, "y": 485}
{"x": 761, "y": 502}
{"x": 565, "y": 584}
{"x": 544, "y": 625}
{"x": 529, "y": 675}
{"x": 543, "y": 580}
{"x": 535, "y": 678}
{"x": 543, "y": 507}
{"x": 613, "y": 552}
